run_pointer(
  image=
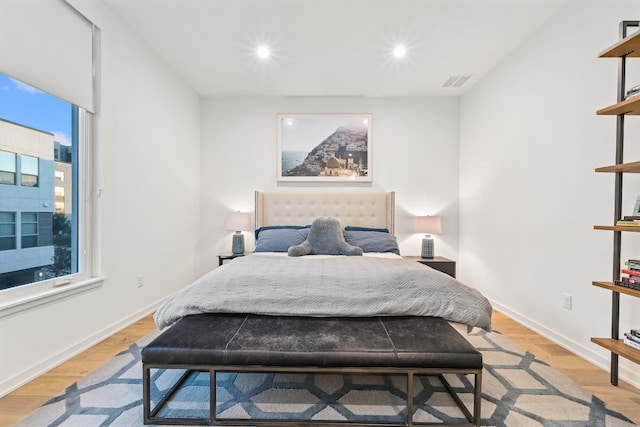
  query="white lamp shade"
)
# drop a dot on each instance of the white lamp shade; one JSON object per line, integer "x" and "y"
{"x": 238, "y": 221}
{"x": 428, "y": 224}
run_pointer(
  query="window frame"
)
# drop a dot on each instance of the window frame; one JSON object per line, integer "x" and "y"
{"x": 24, "y": 216}
{"x": 14, "y": 171}
{"x": 23, "y": 174}
{"x": 24, "y": 297}
{"x": 15, "y": 231}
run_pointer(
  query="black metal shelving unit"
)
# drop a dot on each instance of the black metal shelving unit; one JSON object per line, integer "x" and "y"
{"x": 627, "y": 47}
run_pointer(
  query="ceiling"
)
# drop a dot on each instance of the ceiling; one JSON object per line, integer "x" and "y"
{"x": 332, "y": 47}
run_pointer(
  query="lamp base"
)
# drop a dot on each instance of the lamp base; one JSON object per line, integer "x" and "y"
{"x": 427, "y": 247}
{"x": 237, "y": 247}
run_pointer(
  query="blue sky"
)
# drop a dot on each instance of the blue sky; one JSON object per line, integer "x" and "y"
{"x": 301, "y": 132}
{"x": 22, "y": 104}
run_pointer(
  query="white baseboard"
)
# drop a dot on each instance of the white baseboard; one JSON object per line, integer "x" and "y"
{"x": 9, "y": 385}
{"x": 586, "y": 353}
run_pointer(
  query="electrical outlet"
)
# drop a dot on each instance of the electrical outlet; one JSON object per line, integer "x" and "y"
{"x": 566, "y": 301}
{"x": 140, "y": 281}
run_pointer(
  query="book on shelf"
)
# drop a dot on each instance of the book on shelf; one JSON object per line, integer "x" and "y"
{"x": 630, "y": 279}
{"x": 635, "y": 90}
{"x": 630, "y": 272}
{"x": 629, "y": 275}
{"x": 626, "y": 284}
{"x": 631, "y": 94}
{"x": 631, "y": 218}
{"x": 631, "y": 337}
{"x": 630, "y": 343}
{"x": 625, "y": 223}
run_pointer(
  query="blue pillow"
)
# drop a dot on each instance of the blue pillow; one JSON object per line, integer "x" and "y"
{"x": 372, "y": 241}
{"x": 279, "y": 227}
{"x": 280, "y": 239}
{"x": 354, "y": 228}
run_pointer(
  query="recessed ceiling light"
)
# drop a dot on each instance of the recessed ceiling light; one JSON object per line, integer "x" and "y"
{"x": 263, "y": 52}
{"x": 399, "y": 51}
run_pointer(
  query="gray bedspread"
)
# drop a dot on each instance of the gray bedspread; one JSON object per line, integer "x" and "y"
{"x": 328, "y": 286}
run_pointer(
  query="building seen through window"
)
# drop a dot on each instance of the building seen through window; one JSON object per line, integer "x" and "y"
{"x": 38, "y": 185}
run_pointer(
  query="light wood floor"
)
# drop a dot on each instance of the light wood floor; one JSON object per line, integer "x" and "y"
{"x": 17, "y": 405}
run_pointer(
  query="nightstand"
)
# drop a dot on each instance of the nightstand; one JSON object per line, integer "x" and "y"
{"x": 439, "y": 263}
{"x": 225, "y": 257}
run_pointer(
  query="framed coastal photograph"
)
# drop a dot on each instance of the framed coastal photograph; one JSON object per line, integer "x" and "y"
{"x": 324, "y": 147}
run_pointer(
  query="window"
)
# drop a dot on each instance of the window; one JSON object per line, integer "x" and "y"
{"x": 35, "y": 122}
{"x": 29, "y": 171}
{"x": 7, "y": 231}
{"x": 36, "y": 229}
{"x": 39, "y": 226}
{"x": 7, "y": 168}
{"x": 29, "y": 229}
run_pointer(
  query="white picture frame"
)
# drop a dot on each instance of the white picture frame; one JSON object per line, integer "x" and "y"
{"x": 324, "y": 147}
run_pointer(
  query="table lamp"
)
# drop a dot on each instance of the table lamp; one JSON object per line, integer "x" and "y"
{"x": 238, "y": 222}
{"x": 428, "y": 225}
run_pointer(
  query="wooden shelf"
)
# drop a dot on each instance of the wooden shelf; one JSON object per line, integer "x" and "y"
{"x": 619, "y": 348}
{"x": 616, "y": 228}
{"x": 633, "y": 167}
{"x": 629, "y": 46}
{"x": 629, "y": 106}
{"x": 615, "y": 288}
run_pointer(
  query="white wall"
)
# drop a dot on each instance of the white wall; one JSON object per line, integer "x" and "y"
{"x": 415, "y": 154}
{"x": 150, "y": 210}
{"x": 529, "y": 197}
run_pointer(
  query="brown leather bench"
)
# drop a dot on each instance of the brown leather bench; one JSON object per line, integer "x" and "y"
{"x": 252, "y": 343}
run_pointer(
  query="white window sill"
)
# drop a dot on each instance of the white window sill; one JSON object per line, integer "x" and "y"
{"x": 17, "y": 305}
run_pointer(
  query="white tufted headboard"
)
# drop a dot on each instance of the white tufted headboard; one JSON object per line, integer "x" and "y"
{"x": 362, "y": 209}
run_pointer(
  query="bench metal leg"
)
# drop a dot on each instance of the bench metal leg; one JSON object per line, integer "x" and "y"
{"x": 477, "y": 404}
{"x": 151, "y": 414}
{"x": 410, "y": 395}
{"x": 213, "y": 397}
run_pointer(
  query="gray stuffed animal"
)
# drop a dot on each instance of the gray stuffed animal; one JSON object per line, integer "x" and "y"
{"x": 325, "y": 237}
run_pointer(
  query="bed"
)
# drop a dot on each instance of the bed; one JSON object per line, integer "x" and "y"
{"x": 271, "y": 291}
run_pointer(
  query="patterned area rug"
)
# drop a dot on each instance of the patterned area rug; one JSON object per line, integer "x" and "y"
{"x": 517, "y": 390}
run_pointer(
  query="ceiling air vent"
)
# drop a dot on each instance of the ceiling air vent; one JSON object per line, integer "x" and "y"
{"x": 456, "y": 81}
